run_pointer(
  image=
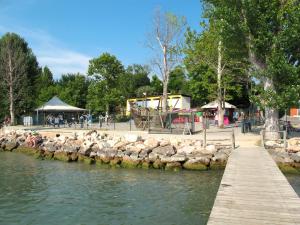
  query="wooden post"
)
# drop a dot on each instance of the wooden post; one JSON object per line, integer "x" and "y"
{"x": 233, "y": 139}
{"x": 284, "y": 140}
{"x": 204, "y": 138}
{"x": 262, "y": 135}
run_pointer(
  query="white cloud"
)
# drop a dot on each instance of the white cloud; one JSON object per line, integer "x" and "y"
{"x": 52, "y": 53}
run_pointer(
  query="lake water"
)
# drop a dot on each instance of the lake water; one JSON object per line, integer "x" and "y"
{"x": 52, "y": 192}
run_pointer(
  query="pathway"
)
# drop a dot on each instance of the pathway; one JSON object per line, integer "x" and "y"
{"x": 254, "y": 191}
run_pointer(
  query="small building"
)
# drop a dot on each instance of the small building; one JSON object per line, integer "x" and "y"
{"x": 155, "y": 102}
{"x": 294, "y": 112}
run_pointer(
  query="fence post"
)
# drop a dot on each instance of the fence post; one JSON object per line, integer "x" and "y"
{"x": 148, "y": 120}
{"x": 262, "y": 136}
{"x": 114, "y": 118}
{"x": 284, "y": 140}
{"x": 130, "y": 118}
{"x": 204, "y": 138}
{"x": 233, "y": 139}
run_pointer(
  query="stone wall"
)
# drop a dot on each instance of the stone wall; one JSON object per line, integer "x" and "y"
{"x": 128, "y": 151}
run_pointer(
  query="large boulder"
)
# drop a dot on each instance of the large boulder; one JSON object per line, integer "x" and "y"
{"x": 144, "y": 153}
{"x": 158, "y": 164}
{"x": 129, "y": 162}
{"x": 296, "y": 157}
{"x": 164, "y": 142}
{"x": 62, "y": 156}
{"x": 219, "y": 160}
{"x": 165, "y": 150}
{"x": 129, "y": 149}
{"x": 194, "y": 164}
{"x": 175, "y": 166}
{"x": 120, "y": 145}
{"x": 293, "y": 141}
{"x": 187, "y": 149}
{"x": 151, "y": 143}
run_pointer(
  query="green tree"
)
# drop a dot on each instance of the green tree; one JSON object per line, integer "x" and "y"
{"x": 18, "y": 71}
{"x": 156, "y": 85}
{"x": 140, "y": 74}
{"x": 211, "y": 48}
{"x": 177, "y": 81}
{"x": 270, "y": 31}
{"x": 106, "y": 71}
{"x": 45, "y": 86}
{"x": 72, "y": 88}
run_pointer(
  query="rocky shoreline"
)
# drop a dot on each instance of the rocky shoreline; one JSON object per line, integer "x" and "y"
{"x": 127, "y": 151}
{"x": 287, "y": 159}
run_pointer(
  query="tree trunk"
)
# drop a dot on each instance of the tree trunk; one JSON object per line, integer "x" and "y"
{"x": 271, "y": 115}
{"x": 11, "y": 94}
{"x": 165, "y": 81}
{"x": 219, "y": 73}
{"x": 165, "y": 97}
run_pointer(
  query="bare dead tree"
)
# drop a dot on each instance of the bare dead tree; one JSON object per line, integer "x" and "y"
{"x": 165, "y": 40}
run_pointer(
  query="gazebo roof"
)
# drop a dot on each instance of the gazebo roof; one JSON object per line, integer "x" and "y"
{"x": 55, "y": 104}
{"x": 214, "y": 105}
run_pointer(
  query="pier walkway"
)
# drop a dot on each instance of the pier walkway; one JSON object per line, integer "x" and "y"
{"x": 254, "y": 191}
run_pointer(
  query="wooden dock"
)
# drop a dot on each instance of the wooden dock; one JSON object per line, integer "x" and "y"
{"x": 254, "y": 191}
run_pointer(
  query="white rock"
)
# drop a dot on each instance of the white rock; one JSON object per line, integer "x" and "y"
{"x": 151, "y": 142}
{"x": 132, "y": 138}
{"x": 186, "y": 149}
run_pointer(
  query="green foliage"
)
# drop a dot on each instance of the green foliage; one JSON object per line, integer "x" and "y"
{"x": 268, "y": 32}
{"x": 105, "y": 92}
{"x": 18, "y": 71}
{"x": 72, "y": 88}
{"x": 156, "y": 85}
{"x": 106, "y": 67}
{"x": 201, "y": 63}
{"x": 144, "y": 91}
{"x": 177, "y": 81}
{"x": 45, "y": 86}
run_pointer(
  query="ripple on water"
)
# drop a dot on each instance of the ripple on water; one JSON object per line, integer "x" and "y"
{"x": 51, "y": 192}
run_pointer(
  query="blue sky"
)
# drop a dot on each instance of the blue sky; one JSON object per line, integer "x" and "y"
{"x": 65, "y": 34}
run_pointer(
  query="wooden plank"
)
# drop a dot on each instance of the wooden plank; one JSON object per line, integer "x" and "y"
{"x": 254, "y": 191}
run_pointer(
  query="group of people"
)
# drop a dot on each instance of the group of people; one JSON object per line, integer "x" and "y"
{"x": 85, "y": 119}
{"x": 55, "y": 120}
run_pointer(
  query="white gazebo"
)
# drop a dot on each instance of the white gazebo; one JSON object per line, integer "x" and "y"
{"x": 55, "y": 105}
{"x": 214, "y": 105}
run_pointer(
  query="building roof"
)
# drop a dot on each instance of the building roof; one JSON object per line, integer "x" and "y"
{"x": 214, "y": 105}
{"x": 55, "y": 104}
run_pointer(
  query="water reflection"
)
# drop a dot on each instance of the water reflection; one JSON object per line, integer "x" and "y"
{"x": 51, "y": 192}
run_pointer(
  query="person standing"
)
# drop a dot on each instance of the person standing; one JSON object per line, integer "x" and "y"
{"x": 81, "y": 118}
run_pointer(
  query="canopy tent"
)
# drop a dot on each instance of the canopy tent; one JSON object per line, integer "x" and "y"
{"x": 57, "y": 105}
{"x": 214, "y": 105}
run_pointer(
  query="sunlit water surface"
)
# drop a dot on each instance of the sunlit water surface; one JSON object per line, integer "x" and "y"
{"x": 51, "y": 192}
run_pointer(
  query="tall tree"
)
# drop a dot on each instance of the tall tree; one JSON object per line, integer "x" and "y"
{"x": 222, "y": 68}
{"x": 18, "y": 70}
{"x": 105, "y": 71}
{"x": 165, "y": 40}
{"x": 269, "y": 30}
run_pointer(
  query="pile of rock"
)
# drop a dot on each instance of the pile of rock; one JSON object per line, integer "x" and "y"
{"x": 286, "y": 157}
{"x": 127, "y": 151}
